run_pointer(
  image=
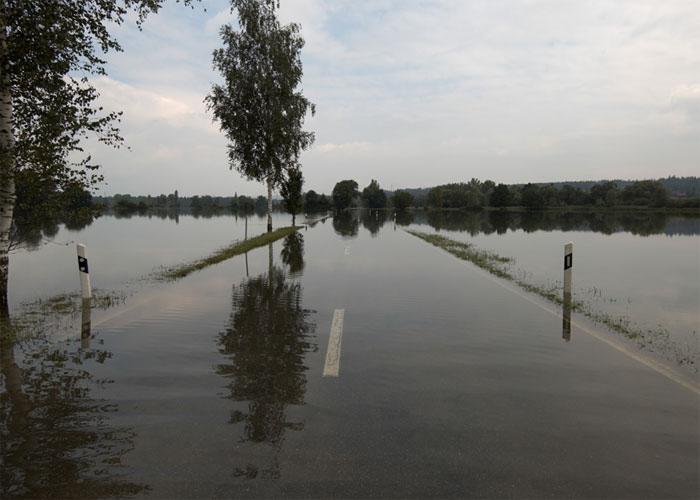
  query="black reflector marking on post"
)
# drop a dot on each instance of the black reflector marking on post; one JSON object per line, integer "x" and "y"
{"x": 568, "y": 261}
{"x": 82, "y": 264}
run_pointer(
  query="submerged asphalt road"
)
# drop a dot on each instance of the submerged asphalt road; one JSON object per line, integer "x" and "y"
{"x": 447, "y": 385}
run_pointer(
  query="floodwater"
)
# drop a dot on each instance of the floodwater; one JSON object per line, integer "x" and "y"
{"x": 451, "y": 383}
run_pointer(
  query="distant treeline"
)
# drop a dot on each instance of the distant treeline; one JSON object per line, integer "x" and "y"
{"x": 126, "y": 203}
{"x": 670, "y": 192}
{"x": 645, "y": 193}
{"x": 572, "y": 193}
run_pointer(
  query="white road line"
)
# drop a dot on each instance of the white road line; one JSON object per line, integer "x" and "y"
{"x": 333, "y": 355}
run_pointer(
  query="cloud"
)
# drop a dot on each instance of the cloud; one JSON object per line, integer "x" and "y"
{"x": 223, "y": 16}
{"x": 686, "y": 98}
{"x": 345, "y": 148}
{"x": 171, "y": 107}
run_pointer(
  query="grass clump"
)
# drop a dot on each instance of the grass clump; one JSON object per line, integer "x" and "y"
{"x": 237, "y": 248}
{"x": 490, "y": 261}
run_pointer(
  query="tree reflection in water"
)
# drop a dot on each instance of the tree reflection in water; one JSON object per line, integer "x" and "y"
{"x": 404, "y": 218}
{"x": 373, "y": 220}
{"x": 642, "y": 223}
{"x": 293, "y": 253}
{"x": 266, "y": 340}
{"x": 346, "y": 224}
{"x": 55, "y": 438}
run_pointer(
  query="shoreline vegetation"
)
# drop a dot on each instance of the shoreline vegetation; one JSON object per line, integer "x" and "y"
{"x": 237, "y": 248}
{"x": 655, "y": 340}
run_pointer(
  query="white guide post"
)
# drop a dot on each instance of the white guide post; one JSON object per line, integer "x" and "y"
{"x": 83, "y": 271}
{"x": 568, "y": 266}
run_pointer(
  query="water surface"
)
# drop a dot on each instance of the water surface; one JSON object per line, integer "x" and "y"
{"x": 450, "y": 384}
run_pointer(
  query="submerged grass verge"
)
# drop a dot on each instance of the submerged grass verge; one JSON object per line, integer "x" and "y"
{"x": 182, "y": 270}
{"x": 657, "y": 339}
{"x": 58, "y": 313}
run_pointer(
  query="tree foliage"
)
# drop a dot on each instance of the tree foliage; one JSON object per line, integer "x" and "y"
{"x": 531, "y": 196}
{"x": 292, "y": 198}
{"x": 313, "y": 202}
{"x": 46, "y": 45}
{"x": 501, "y": 196}
{"x": 604, "y": 193}
{"x": 649, "y": 193}
{"x": 48, "y": 51}
{"x": 402, "y": 200}
{"x": 259, "y": 107}
{"x": 344, "y": 193}
{"x": 374, "y": 196}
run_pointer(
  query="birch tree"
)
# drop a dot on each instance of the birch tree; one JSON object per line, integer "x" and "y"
{"x": 259, "y": 107}
{"x": 292, "y": 196}
{"x": 48, "y": 49}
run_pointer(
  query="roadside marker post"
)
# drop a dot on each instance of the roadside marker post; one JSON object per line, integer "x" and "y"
{"x": 84, "y": 272}
{"x": 568, "y": 266}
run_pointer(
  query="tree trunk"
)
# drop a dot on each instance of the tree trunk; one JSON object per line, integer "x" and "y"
{"x": 269, "y": 204}
{"x": 7, "y": 170}
{"x": 269, "y": 262}
{"x": 7, "y": 203}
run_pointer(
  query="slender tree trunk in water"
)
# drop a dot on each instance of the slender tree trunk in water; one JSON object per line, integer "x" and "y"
{"x": 269, "y": 204}
{"x": 7, "y": 169}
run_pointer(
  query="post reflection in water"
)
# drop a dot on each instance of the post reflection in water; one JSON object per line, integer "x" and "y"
{"x": 85, "y": 323}
{"x": 566, "y": 318}
{"x": 55, "y": 437}
{"x": 266, "y": 340}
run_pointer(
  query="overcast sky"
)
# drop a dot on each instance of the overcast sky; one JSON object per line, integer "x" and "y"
{"x": 420, "y": 93}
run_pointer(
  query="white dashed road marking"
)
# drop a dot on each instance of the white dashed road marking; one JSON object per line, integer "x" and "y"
{"x": 333, "y": 355}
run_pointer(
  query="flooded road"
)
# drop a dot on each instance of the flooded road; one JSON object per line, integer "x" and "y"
{"x": 446, "y": 384}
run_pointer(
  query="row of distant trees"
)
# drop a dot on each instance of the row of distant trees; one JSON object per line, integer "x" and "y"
{"x": 478, "y": 194}
{"x": 475, "y": 194}
{"x": 126, "y": 203}
{"x": 472, "y": 194}
{"x": 346, "y": 194}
